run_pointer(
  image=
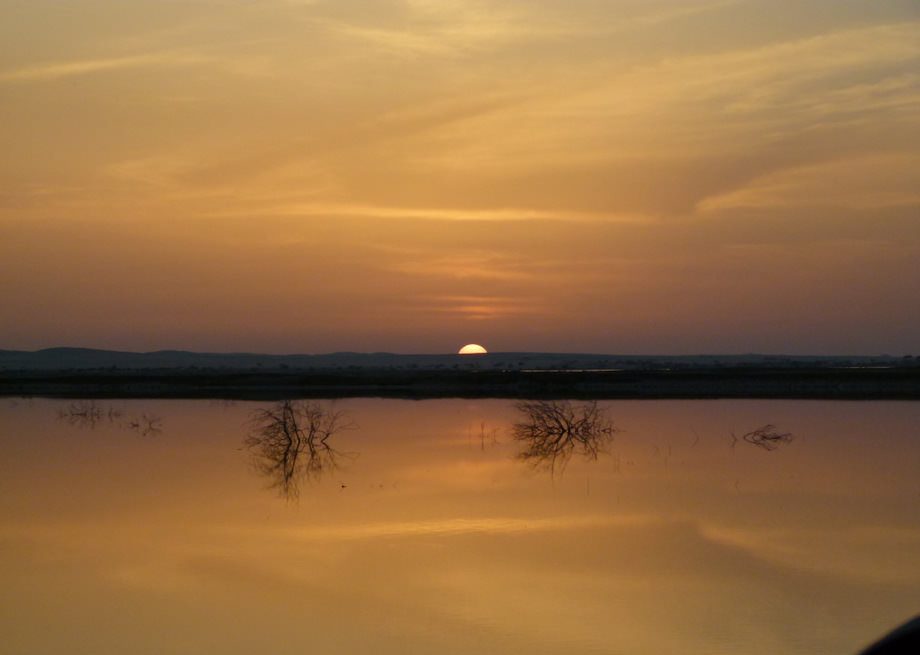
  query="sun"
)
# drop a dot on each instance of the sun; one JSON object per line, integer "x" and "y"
{"x": 472, "y": 349}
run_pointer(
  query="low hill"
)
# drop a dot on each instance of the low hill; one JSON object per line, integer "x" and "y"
{"x": 83, "y": 359}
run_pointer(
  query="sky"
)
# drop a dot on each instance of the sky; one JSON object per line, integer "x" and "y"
{"x": 619, "y": 176}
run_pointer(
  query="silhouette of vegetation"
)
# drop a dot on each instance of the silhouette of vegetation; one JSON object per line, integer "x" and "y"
{"x": 486, "y": 437}
{"x": 553, "y": 431}
{"x": 766, "y": 437}
{"x": 88, "y": 414}
{"x": 291, "y": 442}
{"x": 145, "y": 425}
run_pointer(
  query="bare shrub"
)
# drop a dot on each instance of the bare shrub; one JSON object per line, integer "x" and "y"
{"x": 291, "y": 442}
{"x": 553, "y": 431}
{"x": 768, "y": 437}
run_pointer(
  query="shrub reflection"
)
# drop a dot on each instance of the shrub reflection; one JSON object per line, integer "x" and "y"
{"x": 767, "y": 437}
{"x": 292, "y": 441}
{"x": 553, "y": 431}
{"x": 88, "y": 414}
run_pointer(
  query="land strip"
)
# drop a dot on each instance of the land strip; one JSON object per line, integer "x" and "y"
{"x": 896, "y": 383}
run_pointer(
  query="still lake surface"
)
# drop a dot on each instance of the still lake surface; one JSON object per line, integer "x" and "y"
{"x": 155, "y": 527}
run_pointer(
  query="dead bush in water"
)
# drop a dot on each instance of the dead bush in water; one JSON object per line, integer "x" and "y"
{"x": 291, "y": 441}
{"x": 553, "y": 431}
{"x": 768, "y": 437}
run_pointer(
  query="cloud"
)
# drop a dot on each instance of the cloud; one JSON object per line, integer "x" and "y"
{"x": 688, "y": 104}
{"x": 453, "y": 29}
{"x": 481, "y": 308}
{"x": 56, "y": 70}
{"x": 445, "y": 213}
{"x": 864, "y": 183}
{"x": 478, "y": 266}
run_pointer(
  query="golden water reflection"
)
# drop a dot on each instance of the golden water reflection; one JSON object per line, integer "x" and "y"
{"x": 437, "y": 538}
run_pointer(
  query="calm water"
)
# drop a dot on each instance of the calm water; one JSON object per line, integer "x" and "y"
{"x": 174, "y": 527}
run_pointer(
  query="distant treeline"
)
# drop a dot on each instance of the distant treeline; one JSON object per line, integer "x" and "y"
{"x": 86, "y": 360}
{"x": 892, "y": 382}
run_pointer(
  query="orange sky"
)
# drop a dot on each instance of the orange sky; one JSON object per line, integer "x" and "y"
{"x": 411, "y": 175}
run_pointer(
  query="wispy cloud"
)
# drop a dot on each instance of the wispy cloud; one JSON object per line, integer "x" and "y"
{"x": 483, "y": 308}
{"x": 455, "y": 29}
{"x": 466, "y": 266}
{"x": 446, "y": 213}
{"x": 680, "y": 105}
{"x": 60, "y": 69}
{"x": 862, "y": 183}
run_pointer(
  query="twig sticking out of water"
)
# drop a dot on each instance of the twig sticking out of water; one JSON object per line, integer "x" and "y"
{"x": 87, "y": 414}
{"x": 491, "y": 436}
{"x": 145, "y": 425}
{"x": 768, "y": 437}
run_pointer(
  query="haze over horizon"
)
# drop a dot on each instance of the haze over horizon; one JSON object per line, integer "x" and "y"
{"x": 313, "y": 176}
{"x": 446, "y": 353}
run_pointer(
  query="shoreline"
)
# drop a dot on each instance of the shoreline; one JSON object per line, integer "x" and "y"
{"x": 901, "y": 383}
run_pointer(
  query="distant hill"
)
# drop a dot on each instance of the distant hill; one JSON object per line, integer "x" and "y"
{"x": 81, "y": 359}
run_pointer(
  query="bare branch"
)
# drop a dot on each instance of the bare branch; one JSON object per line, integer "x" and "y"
{"x": 768, "y": 437}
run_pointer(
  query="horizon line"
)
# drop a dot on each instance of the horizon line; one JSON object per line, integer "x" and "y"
{"x": 447, "y": 354}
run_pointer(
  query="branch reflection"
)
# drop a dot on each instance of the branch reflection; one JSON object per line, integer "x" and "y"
{"x": 553, "y": 431}
{"x": 768, "y": 437}
{"x": 291, "y": 442}
{"x": 88, "y": 415}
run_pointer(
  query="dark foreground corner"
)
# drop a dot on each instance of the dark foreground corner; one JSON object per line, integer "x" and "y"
{"x": 904, "y": 640}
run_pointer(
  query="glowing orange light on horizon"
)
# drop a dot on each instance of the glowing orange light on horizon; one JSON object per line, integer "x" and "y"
{"x": 472, "y": 349}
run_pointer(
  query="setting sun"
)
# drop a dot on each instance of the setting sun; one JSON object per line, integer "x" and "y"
{"x": 472, "y": 349}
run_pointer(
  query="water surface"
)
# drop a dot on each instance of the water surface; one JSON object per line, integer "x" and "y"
{"x": 160, "y": 527}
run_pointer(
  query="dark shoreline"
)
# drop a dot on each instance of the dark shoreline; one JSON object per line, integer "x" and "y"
{"x": 900, "y": 383}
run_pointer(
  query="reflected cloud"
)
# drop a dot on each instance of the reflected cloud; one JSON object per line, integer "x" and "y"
{"x": 552, "y": 431}
{"x": 456, "y": 527}
{"x": 291, "y": 442}
{"x": 422, "y": 537}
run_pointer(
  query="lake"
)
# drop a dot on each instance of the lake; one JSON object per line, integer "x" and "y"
{"x": 455, "y": 526}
